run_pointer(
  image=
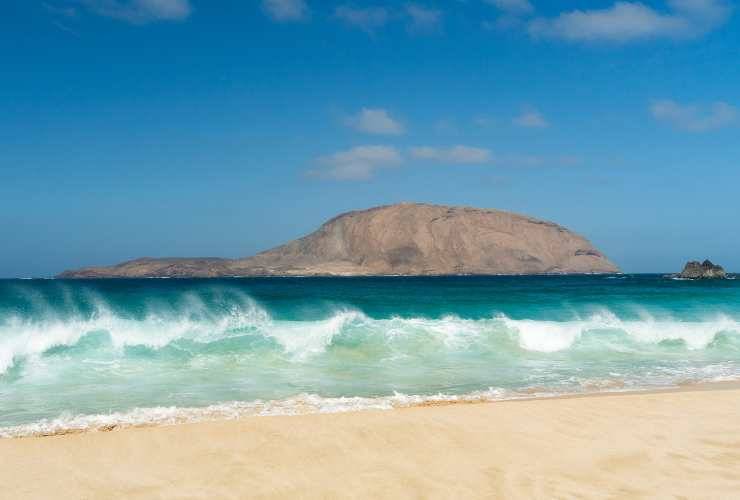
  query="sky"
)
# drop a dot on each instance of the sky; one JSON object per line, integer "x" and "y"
{"x": 222, "y": 128}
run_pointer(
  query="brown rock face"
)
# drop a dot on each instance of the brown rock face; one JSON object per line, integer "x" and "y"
{"x": 145, "y": 267}
{"x": 405, "y": 239}
{"x": 695, "y": 270}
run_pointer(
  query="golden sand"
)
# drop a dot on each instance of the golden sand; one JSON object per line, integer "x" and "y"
{"x": 648, "y": 445}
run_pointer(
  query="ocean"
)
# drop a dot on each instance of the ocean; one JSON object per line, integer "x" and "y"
{"x": 95, "y": 354}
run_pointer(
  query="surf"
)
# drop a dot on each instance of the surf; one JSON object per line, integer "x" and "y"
{"x": 74, "y": 354}
{"x": 29, "y": 338}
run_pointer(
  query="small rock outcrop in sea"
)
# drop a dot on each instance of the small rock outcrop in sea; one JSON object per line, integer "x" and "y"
{"x": 695, "y": 270}
{"x": 410, "y": 239}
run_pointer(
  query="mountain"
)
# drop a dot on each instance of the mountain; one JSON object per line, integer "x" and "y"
{"x": 402, "y": 239}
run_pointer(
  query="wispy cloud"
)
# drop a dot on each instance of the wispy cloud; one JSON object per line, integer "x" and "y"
{"x": 454, "y": 155}
{"x": 461, "y": 155}
{"x": 513, "y": 14}
{"x": 423, "y": 19}
{"x": 420, "y": 19}
{"x": 631, "y": 21}
{"x": 286, "y": 10}
{"x": 359, "y": 163}
{"x": 364, "y": 162}
{"x": 60, "y": 10}
{"x": 694, "y": 118}
{"x": 141, "y": 11}
{"x": 531, "y": 118}
{"x": 66, "y": 29}
{"x": 375, "y": 121}
{"x": 513, "y": 7}
{"x": 367, "y": 19}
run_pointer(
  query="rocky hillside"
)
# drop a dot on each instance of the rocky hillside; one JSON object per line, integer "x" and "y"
{"x": 405, "y": 239}
{"x": 695, "y": 270}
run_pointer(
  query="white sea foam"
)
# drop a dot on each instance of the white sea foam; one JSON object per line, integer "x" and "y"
{"x": 194, "y": 320}
{"x": 303, "y": 404}
{"x": 27, "y": 338}
{"x": 305, "y": 338}
{"x": 298, "y": 405}
{"x": 551, "y": 336}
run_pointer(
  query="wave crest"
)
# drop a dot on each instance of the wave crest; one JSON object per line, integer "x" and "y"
{"x": 238, "y": 316}
{"x": 26, "y": 337}
{"x": 552, "y": 336}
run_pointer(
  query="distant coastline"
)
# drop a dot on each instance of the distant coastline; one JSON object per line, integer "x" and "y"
{"x": 407, "y": 239}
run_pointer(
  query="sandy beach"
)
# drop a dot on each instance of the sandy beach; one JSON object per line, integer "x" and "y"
{"x": 647, "y": 445}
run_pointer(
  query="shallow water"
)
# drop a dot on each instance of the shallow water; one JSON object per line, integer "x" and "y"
{"x": 79, "y": 354}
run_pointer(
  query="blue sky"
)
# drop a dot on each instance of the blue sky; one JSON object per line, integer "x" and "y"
{"x": 193, "y": 128}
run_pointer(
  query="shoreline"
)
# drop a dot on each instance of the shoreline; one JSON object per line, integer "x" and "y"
{"x": 219, "y": 412}
{"x": 678, "y": 442}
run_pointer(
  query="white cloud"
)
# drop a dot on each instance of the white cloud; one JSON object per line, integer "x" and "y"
{"x": 375, "y": 121}
{"x": 286, "y": 10}
{"x": 141, "y": 11}
{"x": 629, "y": 21}
{"x": 367, "y": 19}
{"x": 359, "y": 163}
{"x": 695, "y": 118}
{"x": 513, "y": 7}
{"x": 531, "y": 119}
{"x": 363, "y": 162}
{"x": 423, "y": 20}
{"x": 455, "y": 154}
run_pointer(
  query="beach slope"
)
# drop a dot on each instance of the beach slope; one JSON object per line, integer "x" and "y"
{"x": 651, "y": 445}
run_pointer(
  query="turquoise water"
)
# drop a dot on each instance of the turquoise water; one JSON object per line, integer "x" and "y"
{"x": 92, "y": 353}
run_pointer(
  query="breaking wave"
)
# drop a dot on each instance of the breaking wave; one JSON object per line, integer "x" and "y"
{"x": 77, "y": 357}
{"x": 195, "y": 323}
